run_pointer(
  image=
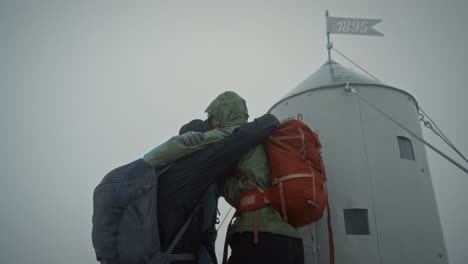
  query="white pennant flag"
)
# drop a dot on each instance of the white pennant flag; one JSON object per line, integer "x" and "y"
{"x": 352, "y": 26}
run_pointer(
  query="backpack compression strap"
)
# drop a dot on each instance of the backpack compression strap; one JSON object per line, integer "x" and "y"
{"x": 256, "y": 199}
{"x": 155, "y": 255}
{"x": 251, "y": 201}
{"x": 158, "y": 257}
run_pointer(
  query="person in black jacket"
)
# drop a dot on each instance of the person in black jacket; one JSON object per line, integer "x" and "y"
{"x": 180, "y": 188}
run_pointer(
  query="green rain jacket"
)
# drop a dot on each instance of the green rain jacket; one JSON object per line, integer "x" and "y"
{"x": 230, "y": 111}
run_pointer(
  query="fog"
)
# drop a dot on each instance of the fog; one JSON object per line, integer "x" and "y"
{"x": 86, "y": 86}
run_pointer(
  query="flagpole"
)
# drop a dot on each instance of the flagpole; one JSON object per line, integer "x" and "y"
{"x": 329, "y": 44}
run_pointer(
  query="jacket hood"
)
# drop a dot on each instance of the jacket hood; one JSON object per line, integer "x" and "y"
{"x": 229, "y": 109}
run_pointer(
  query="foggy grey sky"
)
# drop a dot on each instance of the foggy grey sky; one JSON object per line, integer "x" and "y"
{"x": 86, "y": 86}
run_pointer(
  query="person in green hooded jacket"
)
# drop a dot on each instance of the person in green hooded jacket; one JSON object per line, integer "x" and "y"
{"x": 278, "y": 242}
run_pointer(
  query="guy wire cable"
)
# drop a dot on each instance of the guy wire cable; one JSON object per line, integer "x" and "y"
{"x": 439, "y": 133}
{"x": 413, "y": 134}
{"x": 444, "y": 138}
{"x": 224, "y": 219}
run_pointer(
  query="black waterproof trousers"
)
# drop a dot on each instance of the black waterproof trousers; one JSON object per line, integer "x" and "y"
{"x": 271, "y": 249}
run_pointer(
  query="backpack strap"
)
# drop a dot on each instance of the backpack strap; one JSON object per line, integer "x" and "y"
{"x": 247, "y": 181}
{"x": 210, "y": 219}
{"x": 225, "y": 249}
{"x": 135, "y": 165}
{"x": 280, "y": 143}
{"x": 281, "y": 191}
{"x": 123, "y": 181}
{"x": 256, "y": 216}
{"x": 182, "y": 230}
{"x": 164, "y": 258}
{"x": 249, "y": 201}
{"x": 155, "y": 255}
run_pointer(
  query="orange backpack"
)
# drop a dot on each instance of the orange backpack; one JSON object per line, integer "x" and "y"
{"x": 297, "y": 176}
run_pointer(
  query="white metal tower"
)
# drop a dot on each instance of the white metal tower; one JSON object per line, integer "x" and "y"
{"x": 382, "y": 202}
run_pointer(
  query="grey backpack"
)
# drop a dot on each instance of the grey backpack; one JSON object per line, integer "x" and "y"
{"x": 125, "y": 220}
{"x": 128, "y": 201}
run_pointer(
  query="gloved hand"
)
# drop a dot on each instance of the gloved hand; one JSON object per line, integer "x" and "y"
{"x": 192, "y": 138}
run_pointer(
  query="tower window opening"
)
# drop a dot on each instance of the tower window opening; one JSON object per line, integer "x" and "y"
{"x": 356, "y": 221}
{"x": 406, "y": 148}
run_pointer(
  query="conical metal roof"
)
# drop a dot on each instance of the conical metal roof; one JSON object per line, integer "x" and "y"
{"x": 333, "y": 74}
